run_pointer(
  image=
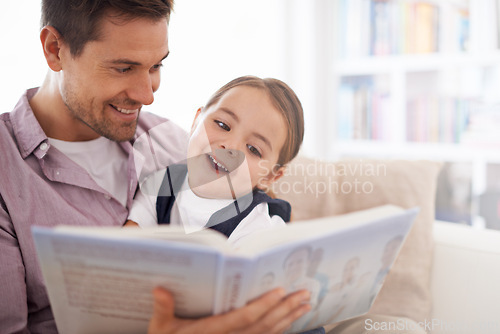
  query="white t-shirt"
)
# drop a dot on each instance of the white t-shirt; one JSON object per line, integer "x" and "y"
{"x": 193, "y": 212}
{"x": 103, "y": 159}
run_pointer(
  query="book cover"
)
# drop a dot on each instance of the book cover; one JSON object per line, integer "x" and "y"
{"x": 99, "y": 280}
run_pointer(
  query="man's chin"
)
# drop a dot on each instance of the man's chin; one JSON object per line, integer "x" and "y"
{"x": 122, "y": 135}
{"x": 122, "y": 138}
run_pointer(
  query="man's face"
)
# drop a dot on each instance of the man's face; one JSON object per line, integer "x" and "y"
{"x": 105, "y": 87}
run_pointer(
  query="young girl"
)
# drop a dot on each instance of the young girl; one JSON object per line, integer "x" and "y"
{"x": 239, "y": 145}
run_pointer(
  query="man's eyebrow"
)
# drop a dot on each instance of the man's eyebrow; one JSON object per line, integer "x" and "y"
{"x": 121, "y": 61}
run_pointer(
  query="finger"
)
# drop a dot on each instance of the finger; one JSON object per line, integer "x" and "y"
{"x": 286, "y": 322}
{"x": 163, "y": 310}
{"x": 244, "y": 317}
{"x": 281, "y": 316}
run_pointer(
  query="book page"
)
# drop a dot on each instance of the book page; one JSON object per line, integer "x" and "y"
{"x": 343, "y": 268}
{"x": 88, "y": 277}
{"x": 206, "y": 237}
{"x": 235, "y": 278}
{"x": 311, "y": 229}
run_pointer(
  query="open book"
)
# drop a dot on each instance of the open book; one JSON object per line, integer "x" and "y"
{"x": 99, "y": 280}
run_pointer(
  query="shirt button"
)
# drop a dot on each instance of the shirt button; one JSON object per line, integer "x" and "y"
{"x": 107, "y": 197}
{"x": 44, "y": 146}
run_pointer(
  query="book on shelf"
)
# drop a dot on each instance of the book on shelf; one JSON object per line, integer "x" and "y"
{"x": 482, "y": 131}
{"x": 364, "y": 113}
{"x": 363, "y": 110}
{"x": 99, "y": 280}
{"x": 383, "y": 27}
{"x": 426, "y": 32}
{"x": 436, "y": 119}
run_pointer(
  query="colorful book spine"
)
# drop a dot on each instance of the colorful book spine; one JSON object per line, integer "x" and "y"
{"x": 382, "y": 27}
{"x": 364, "y": 113}
{"x": 437, "y": 119}
{"x": 363, "y": 110}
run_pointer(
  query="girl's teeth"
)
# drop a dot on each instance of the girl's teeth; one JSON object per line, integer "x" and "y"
{"x": 218, "y": 164}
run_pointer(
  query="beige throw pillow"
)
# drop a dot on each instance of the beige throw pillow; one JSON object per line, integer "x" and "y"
{"x": 316, "y": 188}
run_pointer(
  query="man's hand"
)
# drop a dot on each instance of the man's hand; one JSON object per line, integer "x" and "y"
{"x": 271, "y": 313}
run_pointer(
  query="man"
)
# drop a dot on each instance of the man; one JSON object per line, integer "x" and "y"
{"x": 67, "y": 156}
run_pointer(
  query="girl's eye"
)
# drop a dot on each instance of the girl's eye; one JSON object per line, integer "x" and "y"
{"x": 254, "y": 151}
{"x": 222, "y": 125}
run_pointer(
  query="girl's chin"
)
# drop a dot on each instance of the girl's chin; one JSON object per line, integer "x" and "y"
{"x": 219, "y": 189}
{"x": 208, "y": 192}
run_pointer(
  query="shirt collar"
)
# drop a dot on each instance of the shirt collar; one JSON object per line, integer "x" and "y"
{"x": 28, "y": 132}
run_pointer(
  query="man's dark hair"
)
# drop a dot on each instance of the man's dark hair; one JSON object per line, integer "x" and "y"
{"x": 78, "y": 20}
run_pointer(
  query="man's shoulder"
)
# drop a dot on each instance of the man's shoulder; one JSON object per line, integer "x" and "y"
{"x": 5, "y": 116}
{"x": 147, "y": 118}
{"x": 6, "y": 125}
{"x": 160, "y": 142}
{"x": 5, "y": 119}
{"x": 149, "y": 122}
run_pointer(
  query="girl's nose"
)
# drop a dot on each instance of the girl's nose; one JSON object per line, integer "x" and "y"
{"x": 230, "y": 158}
{"x": 229, "y": 151}
{"x": 227, "y": 146}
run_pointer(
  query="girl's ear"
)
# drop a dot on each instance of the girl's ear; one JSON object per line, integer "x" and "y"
{"x": 275, "y": 175}
{"x": 51, "y": 43}
{"x": 195, "y": 120}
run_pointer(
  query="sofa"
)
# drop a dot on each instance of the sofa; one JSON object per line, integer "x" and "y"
{"x": 446, "y": 276}
{"x": 465, "y": 279}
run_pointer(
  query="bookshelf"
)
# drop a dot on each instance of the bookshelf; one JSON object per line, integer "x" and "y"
{"x": 419, "y": 80}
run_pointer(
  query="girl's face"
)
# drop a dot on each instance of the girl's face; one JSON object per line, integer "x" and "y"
{"x": 238, "y": 139}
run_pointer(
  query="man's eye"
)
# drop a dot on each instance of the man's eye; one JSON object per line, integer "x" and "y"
{"x": 254, "y": 151}
{"x": 157, "y": 66}
{"x": 123, "y": 70}
{"x": 222, "y": 125}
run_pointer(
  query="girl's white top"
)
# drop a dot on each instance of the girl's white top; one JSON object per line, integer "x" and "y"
{"x": 193, "y": 212}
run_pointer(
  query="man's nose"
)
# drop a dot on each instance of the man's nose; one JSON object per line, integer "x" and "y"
{"x": 142, "y": 89}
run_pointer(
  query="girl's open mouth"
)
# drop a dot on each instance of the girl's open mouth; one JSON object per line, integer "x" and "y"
{"x": 217, "y": 165}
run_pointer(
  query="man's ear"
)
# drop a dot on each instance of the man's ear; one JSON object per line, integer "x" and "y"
{"x": 195, "y": 120}
{"x": 51, "y": 43}
{"x": 273, "y": 176}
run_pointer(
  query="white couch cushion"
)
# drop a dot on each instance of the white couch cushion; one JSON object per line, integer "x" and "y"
{"x": 465, "y": 280}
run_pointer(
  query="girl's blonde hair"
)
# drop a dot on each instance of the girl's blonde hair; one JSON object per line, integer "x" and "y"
{"x": 285, "y": 100}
